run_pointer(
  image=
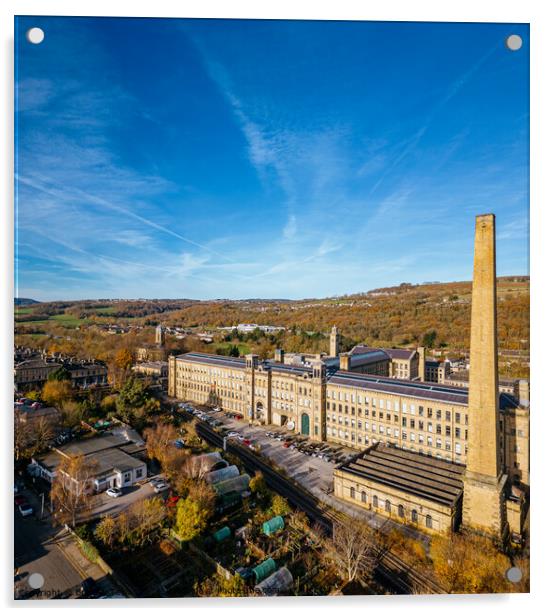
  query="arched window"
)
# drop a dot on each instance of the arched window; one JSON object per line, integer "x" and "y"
{"x": 429, "y": 521}
{"x": 401, "y": 511}
{"x": 414, "y": 516}
{"x": 352, "y": 493}
{"x": 375, "y": 500}
{"x": 363, "y": 497}
{"x": 388, "y": 506}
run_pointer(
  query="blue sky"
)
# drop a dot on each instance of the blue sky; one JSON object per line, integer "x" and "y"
{"x": 229, "y": 158}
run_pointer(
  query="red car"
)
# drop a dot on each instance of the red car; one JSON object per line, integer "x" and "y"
{"x": 246, "y": 441}
{"x": 287, "y": 444}
{"x": 20, "y": 500}
{"x": 172, "y": 501}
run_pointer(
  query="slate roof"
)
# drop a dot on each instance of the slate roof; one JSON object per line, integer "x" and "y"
{"x": 436, "y": 480}
{"x": 414, "y": 389}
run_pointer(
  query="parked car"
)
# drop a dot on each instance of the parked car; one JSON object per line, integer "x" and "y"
{"x": 25, "y": 510}
{"x": 89, "y": 588}
{"x": 114, "y": 492}
{"x": 160, "y": 486}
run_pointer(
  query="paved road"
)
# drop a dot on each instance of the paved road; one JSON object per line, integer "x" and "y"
{"x": 37, "y": 551}
{"x": 49, "y": 551}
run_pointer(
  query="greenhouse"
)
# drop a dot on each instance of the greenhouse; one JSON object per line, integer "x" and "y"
{"x": 222, "y": 534}
{"x": 280, "y": 582}
{"x": 273, "y": 525}
{"x": 264, "y": 570}
{"x": 204, "y": 463}
{"x": 229, "y": 472}
{"x": 235, "y": 484}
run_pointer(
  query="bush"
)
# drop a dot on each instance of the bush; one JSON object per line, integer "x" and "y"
{"x": 89, "y": 551}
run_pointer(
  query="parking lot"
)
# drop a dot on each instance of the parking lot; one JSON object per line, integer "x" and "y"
{"x": 311, "y": 463}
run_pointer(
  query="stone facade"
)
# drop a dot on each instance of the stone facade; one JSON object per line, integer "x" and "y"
{"x": 484, "y": 486}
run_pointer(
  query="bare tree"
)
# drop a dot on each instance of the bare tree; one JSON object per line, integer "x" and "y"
{"x": 351, "y": 549}
{"x": 41, "y": 433}
{"x": 72, "y": 487}
{"x": 21, "y": 435}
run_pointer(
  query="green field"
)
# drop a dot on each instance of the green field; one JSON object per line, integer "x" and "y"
{"x": 244, "y": 348}
{"x": 23, "y": 310}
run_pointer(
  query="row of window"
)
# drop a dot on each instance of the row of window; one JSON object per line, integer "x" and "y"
{"x": 388, "y": 507}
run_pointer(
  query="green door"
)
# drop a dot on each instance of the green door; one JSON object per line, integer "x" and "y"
{"x": 305, "y": 424}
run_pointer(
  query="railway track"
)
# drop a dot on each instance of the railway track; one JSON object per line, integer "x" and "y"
{"x": 401, "y": 576}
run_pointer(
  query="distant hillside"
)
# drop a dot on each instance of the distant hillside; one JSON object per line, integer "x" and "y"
{"x": 24, "y": 301}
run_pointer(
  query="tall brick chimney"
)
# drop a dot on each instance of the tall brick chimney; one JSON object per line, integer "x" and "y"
{"x": 483, "y": 503}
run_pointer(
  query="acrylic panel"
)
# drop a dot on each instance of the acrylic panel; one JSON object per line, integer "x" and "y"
{"x": 272, "y": 308}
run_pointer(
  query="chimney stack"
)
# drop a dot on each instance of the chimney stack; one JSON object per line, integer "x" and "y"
{"x": 483, "y": 502}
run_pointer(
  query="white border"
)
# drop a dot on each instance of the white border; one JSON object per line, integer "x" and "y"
{"x": 529, "y": 11}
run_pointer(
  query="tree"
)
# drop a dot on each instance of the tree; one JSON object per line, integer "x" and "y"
{"x": 257, "y": 485}
{"x": 351, "y": 549}
{"x": 107, "y": 531}
{"x": 120, "y": 366}
{"x": 191, "y": 519}
{"x": 72, "y": 487}
{"x": 41, "y": 432}
{"x": 124, "y": 359}
{"x": 429, "y": 339}
{"x": 205, "y": 495}
{"x": 218, "y": 586}
{"x": 280, "y": 505}
{"x": 160, "y": 441}
{"x": 60, "y": 374}
{"x": 469, "y": 563}
{"x": 56, "y": 393}
{"x": 145, "y": 518}
{"x": 21, "y": 435}
{"x": 134, "y": 401}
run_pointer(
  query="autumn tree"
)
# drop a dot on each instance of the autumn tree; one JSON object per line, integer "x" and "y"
{"x": 146, "y": 516}
{"x": 56, "y": 393}
{"x": 257, "y": 484}
{"x": 280, "y": 505}
{"x": 191, "y": 519}
{"x": 160, "y": 446}
{"x": 41, "y": 432}
{"x": 72, "y": 487}
{"x": 120, "y": 367}
{"x": 107, "y": 531}
{"x": 21, "y": 435}
{"x": 351, "y": 549}
{"x": 205, "y": 495}
{"x": 219, "y": 586}
{"x": 469, "y": 563}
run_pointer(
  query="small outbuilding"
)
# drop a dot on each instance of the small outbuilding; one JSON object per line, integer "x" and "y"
{"x": 279, "y": 583}
{"x": 273, "y": 525}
